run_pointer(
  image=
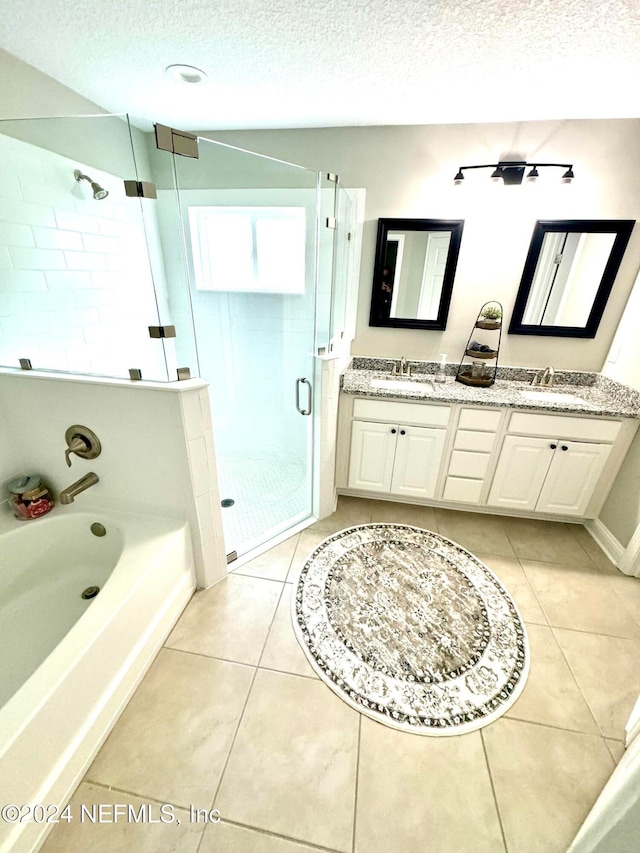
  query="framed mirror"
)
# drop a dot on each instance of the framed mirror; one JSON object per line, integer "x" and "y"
{"x": 414, "y": 269}
{"x": 568, "y": 276}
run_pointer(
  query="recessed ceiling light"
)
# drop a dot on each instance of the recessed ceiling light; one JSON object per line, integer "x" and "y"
{"x": 186, "y": 73}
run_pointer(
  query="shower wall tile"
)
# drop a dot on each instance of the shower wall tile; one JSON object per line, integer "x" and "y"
{"x": 24, "y": 281}
{"x": 67, "y": 280}
{"x": 192, "y": 413}
{"x": 71, "y": 221}
{"x": 10, "y": 188}
{"x": 205, "y": 409}
{"x": 199, "y": 467}
{"x": 104, "y": 245}
{"x": 39, "y": 192}
{"x": 85, "y": 261}
{"x": 15, "y": 235}
{"x": 5, "y": 259}
{"x": 24, "y": 258}
{"x": 11, "y": 303}
{"x": 51, "y": 238}
{"x": 22, "y": 212}
{"x": 208, "y": 440}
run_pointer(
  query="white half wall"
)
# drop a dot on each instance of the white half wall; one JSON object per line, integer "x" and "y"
{"x": 157, "y": 449}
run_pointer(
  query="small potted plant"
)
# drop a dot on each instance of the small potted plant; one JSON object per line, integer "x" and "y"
{"x": 490, "y": 318}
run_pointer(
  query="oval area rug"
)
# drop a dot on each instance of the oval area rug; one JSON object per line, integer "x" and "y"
{"x": 410, "y": 629}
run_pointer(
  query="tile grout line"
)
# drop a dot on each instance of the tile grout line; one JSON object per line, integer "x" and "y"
{"x": 244, "y": 708}
{"x": 270, "y": 834}
{"x": 595, "y": 633}
{"x": 493, "y": 791}
{"x": 597, "y": 734}
{"x": 128, "y": 793}
{"x": 533, "y": 592}
{"x": 355, "y": 798}
{"x": 575, "y": 678}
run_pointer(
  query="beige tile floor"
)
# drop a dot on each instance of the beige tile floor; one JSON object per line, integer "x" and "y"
{"x": 232, "y": 716}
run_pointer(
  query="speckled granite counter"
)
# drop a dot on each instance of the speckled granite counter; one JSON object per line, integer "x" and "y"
{"x": 594, "y": 394}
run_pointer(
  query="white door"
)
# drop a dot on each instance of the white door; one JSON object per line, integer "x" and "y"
{"x": 521, "y": 471}
{"x": 373, "y": 447}
{"x": 572, "y": 477}
{"x": 418, "y": 457}
{"x": 433, "y": 275}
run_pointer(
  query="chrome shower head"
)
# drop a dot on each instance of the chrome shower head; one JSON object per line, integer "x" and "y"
{"x": 98, "y": 192}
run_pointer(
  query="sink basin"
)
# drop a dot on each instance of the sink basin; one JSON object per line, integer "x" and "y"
{"x": 552, "y": 396}
{"x": 402, "y": 385}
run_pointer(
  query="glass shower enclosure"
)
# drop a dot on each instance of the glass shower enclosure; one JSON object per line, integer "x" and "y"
{"x": 257, "y": 267}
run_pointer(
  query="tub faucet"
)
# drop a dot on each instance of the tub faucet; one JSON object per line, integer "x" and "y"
{"x": 545, "y": 379}
{"x": 68, "y": 495}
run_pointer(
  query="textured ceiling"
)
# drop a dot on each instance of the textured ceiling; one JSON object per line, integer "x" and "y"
{"x": 311, "y": 63}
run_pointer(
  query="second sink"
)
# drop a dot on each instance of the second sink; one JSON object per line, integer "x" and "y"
{"x": 552, "y": 396}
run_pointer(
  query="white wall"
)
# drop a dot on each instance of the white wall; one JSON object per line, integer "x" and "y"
{"x": 25, "y": 92}
{"x": 408, "y": 172}
{"x": 621, "y": 512}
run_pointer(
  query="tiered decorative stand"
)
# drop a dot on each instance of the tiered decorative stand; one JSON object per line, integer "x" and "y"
{"x": 473, "y": 374}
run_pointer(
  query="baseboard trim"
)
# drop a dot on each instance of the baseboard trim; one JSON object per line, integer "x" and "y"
{"x": 605, "y": 539}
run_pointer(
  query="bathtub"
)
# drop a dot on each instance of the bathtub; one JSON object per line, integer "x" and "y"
{"x": 69, "y": 665}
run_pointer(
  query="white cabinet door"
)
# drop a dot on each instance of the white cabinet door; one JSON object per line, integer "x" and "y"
{"x": 372, "y": 451}
{"x": 418, "y": 457}
{"x": 572, "y": 477}
{"x": 521, "y": 471}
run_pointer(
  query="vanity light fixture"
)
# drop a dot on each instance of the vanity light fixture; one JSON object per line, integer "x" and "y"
{"x": 511, "y": 172}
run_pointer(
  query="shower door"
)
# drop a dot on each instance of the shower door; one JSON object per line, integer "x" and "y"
{"x": 250, "y": 232}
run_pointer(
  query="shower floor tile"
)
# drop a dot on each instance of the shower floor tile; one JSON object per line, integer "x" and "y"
{"x": 295, "y": 769}
{"x": 269, "y": 496}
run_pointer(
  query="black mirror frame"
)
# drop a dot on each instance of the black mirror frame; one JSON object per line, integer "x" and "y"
{"x": 454, "y": 226}
{"x": 622, "y": 229}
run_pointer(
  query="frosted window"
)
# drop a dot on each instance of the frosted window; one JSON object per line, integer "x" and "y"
{"x": 248, "y": 249}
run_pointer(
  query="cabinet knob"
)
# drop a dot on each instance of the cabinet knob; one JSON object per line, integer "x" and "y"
{"x": 564, "y": 447}
{"x": 553, "y": 446}
{"x": 403, "y": 432}
{"x": 393, "y": 432}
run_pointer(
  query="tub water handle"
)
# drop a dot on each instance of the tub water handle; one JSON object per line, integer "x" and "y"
{"x": 83, "y": 442}
{"x": 77, "y": 445}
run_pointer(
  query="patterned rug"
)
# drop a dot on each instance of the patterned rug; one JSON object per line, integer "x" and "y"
{"x": 410, "y": 629}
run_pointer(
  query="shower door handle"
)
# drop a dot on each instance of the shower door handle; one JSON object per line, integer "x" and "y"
{"x": 306, "y": 382}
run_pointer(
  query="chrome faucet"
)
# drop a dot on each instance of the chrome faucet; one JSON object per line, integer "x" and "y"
{"x": 401, "y": 368}
{"x": 68, "y": 495}
{"x": 544, "y": 379}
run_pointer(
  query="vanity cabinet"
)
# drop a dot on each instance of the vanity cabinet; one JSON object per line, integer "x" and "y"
{"x": 395, "y": 458}
{"x": 548, "y": 471}
{"x": 400, "y": 456}
{"x": 547, "y": 475}
{"x": 506, "y": 460}
{"x": 470, "y": 460}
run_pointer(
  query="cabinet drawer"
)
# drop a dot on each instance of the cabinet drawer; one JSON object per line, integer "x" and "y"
{"x": 468, "y": 440}
{"x": 462, "y": 489}
{"x": 482, "y": 419}
{"x": 561, "y": 426}
{"x": 422, "y": 414}
{"x": 466, "y": 464}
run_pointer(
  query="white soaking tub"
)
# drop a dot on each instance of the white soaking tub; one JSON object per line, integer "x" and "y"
{"x": 68, "y": 665}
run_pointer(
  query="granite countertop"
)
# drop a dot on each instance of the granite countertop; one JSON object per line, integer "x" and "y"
{"x": 574, "y": 392}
